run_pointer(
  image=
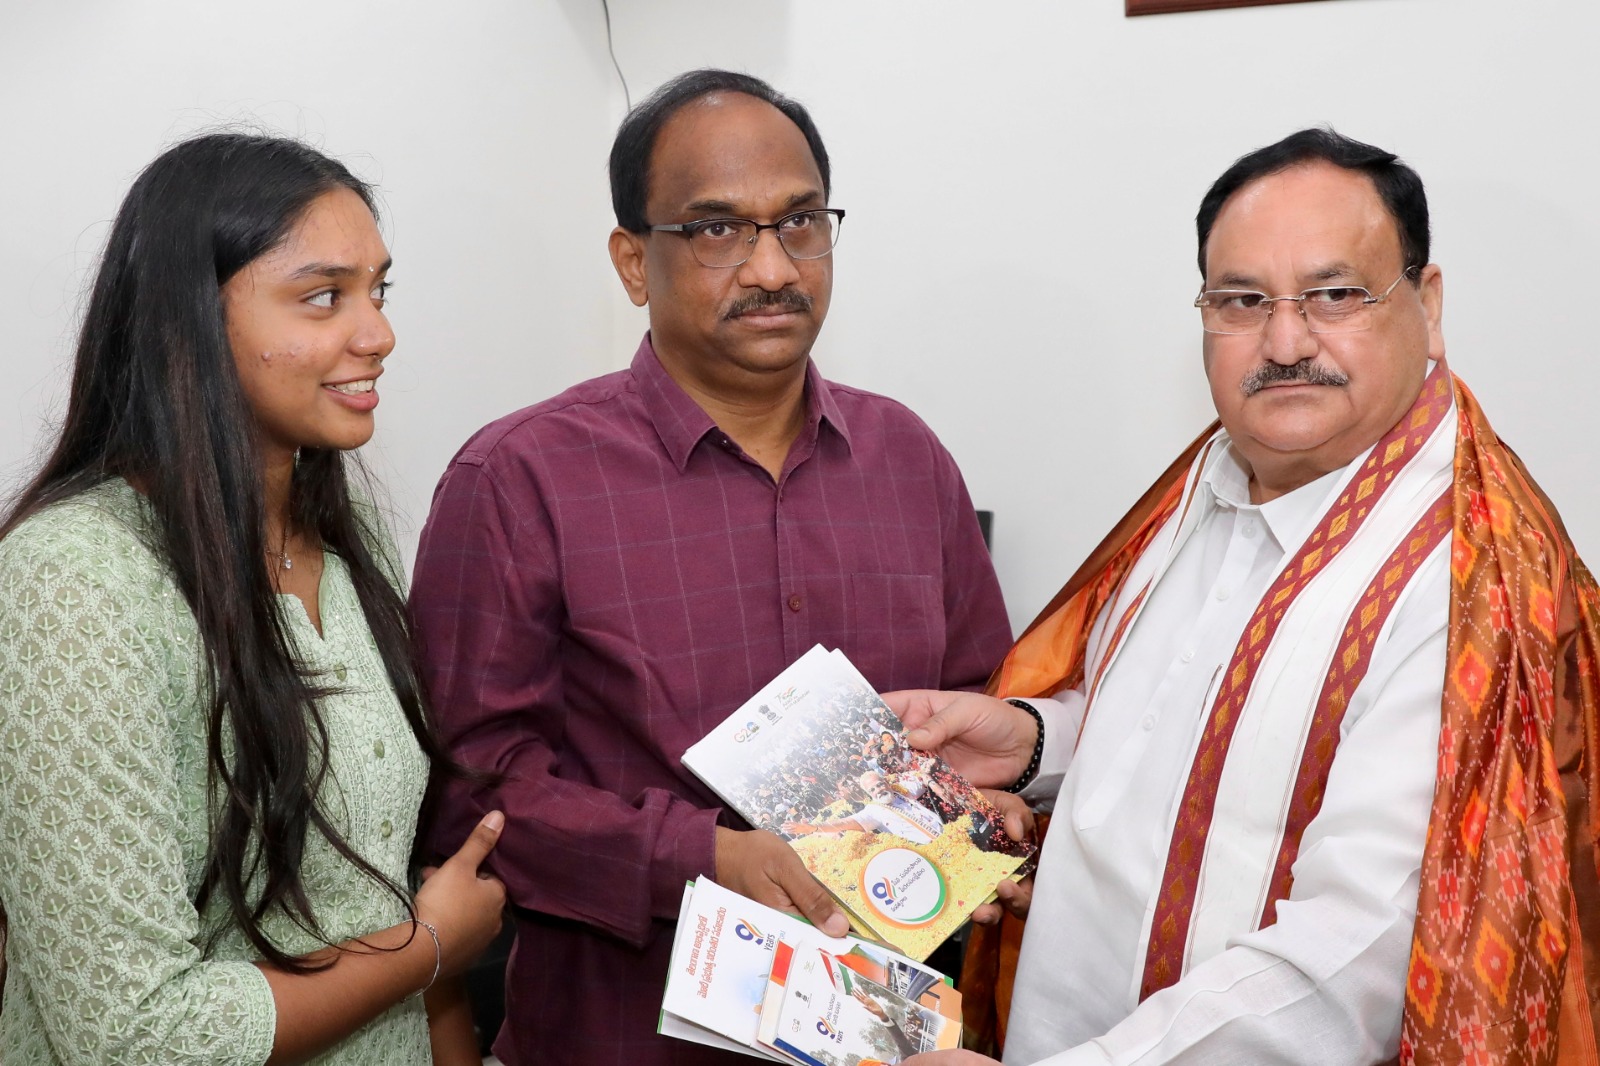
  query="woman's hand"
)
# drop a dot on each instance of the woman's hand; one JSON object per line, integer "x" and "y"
{"x": 461, "y": 902}
{"x": 369, "y": 975}
{"x": 450, "y": 1030}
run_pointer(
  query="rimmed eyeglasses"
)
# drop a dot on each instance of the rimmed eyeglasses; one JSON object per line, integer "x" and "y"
{"x": 1329, "y": 309}
{"x": 730, "y": 242}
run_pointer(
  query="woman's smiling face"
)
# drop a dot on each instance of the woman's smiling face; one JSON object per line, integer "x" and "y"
{"x": 306, "y": 324}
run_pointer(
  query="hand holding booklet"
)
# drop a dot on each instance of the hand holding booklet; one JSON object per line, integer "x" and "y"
{"x": 906, "y": 845}
{"x": 748, "y": 978}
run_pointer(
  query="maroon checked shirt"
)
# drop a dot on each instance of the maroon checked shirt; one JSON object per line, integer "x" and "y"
{"x": 604, "y": 577}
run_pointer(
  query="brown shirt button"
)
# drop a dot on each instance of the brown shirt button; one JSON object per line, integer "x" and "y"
{"x": 794, "y": 602}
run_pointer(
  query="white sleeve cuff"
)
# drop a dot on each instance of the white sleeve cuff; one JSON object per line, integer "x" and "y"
{"x": 1063, "y": 717}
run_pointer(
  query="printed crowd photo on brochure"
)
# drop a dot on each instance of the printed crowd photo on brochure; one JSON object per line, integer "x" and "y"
{"x": 908, "y": 847}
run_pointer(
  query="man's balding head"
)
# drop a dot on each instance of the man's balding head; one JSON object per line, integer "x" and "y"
{"x": 636, "y": 138}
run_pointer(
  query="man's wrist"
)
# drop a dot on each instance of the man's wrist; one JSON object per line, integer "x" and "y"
{"x": 1032, "y": 769}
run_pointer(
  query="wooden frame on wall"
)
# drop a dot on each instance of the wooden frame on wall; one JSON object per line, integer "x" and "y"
{"x": 1163, "y": 7}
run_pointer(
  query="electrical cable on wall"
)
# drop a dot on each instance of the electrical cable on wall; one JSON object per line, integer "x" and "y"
{"x": 612, "y": 48}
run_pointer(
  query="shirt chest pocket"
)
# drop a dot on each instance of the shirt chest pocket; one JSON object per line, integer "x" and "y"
{"x": 895, "y": 627}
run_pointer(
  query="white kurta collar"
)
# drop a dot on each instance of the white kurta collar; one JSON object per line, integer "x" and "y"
{"x": 1225, "y": 485}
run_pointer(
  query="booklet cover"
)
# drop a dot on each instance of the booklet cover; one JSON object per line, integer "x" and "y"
{"x": 906, "y": 844}
{"x": 722, "y": 957}
{"x": 830, "y": 1015}
{"x": 685, "y": 998}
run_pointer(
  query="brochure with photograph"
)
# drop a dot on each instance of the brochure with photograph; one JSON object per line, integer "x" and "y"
{"x": 941, "y": 996}
{"x": 830, "y": 1015}
{"x": 905, "y": 978}
{"x": 722, "y": 957}
{"x": 906, "y": 844}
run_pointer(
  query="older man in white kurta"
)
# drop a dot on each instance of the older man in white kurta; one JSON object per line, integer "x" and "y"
{"x": 1215, "y": 886}
{"x": 1317, "y": 718}
{"x": 1288, "y": 988}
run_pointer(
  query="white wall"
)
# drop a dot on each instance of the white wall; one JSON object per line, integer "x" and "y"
{"x": 1021, "y": 178}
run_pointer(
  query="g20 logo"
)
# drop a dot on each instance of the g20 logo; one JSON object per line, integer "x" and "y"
{"x": 750, "y": 729}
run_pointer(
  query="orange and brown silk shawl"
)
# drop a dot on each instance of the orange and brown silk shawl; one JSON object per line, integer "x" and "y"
{"x": 1505, "y": 961}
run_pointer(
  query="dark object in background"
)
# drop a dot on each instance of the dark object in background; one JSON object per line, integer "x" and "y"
{"x": 486, "y": 987}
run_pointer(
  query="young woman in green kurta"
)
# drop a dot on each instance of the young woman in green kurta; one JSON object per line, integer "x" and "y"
{"x": 212, "y": 741}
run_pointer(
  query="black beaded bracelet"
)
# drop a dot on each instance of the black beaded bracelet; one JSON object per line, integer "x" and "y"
{"x": 1038, "y": 750}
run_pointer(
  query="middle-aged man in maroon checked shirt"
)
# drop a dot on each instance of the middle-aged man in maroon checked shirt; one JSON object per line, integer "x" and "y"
{"x": 607, "y": 575}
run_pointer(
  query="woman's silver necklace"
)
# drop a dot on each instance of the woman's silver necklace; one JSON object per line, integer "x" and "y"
{"x": 284, "y": 562}
{"x": 282, "y": 553}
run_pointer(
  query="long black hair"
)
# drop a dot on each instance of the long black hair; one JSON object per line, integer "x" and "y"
{"x": 156, "y": 400}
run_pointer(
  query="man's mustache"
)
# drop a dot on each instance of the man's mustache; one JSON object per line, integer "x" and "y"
{"x": 1305, "y": 372}
{"x": 786, "y": 299}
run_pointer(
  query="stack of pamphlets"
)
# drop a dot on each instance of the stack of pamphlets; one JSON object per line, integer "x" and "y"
{"x": 748, "y": 978}
{"x": 905, "y": 844}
